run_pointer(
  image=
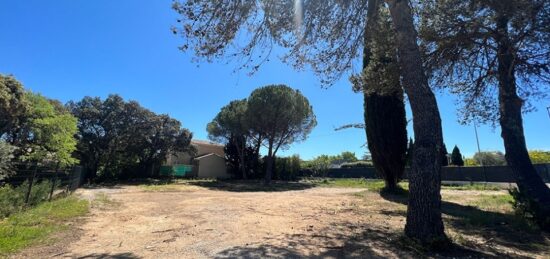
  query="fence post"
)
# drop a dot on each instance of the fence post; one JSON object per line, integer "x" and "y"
{"x": 68, "y": 188}
{"x": 54, "y": 181}
{"x": 76, "y": 174}
{"x": 28, "y": 194}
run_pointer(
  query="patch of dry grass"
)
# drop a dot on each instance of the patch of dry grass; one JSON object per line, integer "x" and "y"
{"x": 103, "y": 202}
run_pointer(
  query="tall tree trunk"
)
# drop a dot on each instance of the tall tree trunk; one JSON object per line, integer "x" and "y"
{"x": 384, "y": 112}
{"x": 243, "y": 167}
{"x": 256, "y": 155}
{"x": 241, "y": 149}
{"x": 269, "y": 164}
{"x": 528, "y": 180}
{"x": 424, "y": 222}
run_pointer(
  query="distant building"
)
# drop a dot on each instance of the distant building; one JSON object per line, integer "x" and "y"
{"x": 207, "y": 162}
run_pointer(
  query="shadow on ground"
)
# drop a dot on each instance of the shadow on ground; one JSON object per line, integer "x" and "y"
{"x": 507, "y": 230}
{"x": 347, "y": 241}
{"x": 101, "y": 186}
{"x": 252, "y": 186}
{"x": 109, "y": 256}
{"x": 217, "y": 185}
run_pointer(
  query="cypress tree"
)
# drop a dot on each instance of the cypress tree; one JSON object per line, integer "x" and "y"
{"x": 456, "y": 157}
{"x": 385, "y": 120}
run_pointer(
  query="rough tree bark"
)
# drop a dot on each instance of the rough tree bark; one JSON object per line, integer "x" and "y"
{"x": 424, "y": 222}
{"x": 384, "y": 113}
{"x": 241, "y": 150}
{"x": 269, "y": 164}
{"x": 528, "y": 180}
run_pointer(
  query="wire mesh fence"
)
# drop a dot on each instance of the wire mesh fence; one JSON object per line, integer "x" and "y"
{"x": 42, "y": 180}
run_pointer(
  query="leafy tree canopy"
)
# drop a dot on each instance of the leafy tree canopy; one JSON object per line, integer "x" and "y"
{"x": 348, "y": 156}
{"x": 6, "y": 157}
{"x": 52, "y": 131}
{"x": 461, "y": 38}
{"x": 117, "y": 138}
{"x": 539, "y": 156}
{"x": 489, "y": 158}
{"x": 230, "y": 121}
{"x": 41, "y": 129}
{"x": 12, "y": 103}
{"x": 283, "y": 114}
{"x": 327, "y": 37}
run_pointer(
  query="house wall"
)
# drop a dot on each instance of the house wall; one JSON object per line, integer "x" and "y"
{"x": 202, "y": 147}
{"x": 212, "y": 166}
{"x": 178, "y": 159}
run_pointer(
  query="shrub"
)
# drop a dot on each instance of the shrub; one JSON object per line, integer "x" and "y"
{"x": 358, "y": 164}
{"x": 12, "y": 199}
{"x": 40, "y": 192}
{"x": 470, "y": 162}
{"x": 287, "y": 168}
{"x": 9, "y": 201}
{"x": 539, "y": 156}
{"x": 527, "y": 208}
{"x": 6, "y": 157}
{"x": 318, "y": 166}
{"x": 491, "y": 158}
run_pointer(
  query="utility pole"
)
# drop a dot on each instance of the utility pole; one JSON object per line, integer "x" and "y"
{"x": 548, "y": 109}
{"x": 479, "y": 152}
{"x": 477, "y": 140}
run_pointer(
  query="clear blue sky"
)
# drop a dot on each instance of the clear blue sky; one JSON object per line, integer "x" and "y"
{"x": 67, "y": 49}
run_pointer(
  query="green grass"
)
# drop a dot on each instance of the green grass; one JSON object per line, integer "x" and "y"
{"x": 501, "y": 202}
{"x": 472, "y": 187}
{"x": 35, "y": 225}
{"x": 159, "y": 187}
{"x": 172, "y": 185}
{"x": 486, "y": 210}
{"x": 370, "y": 184}
{"x": 377, "y": 185}
{"x": 102, "y": 201}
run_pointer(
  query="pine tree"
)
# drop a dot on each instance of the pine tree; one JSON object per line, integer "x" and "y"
{"x": 494, "y": 55}
{"x": 456, "y": 157}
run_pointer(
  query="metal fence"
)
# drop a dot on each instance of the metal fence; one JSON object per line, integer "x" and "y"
{"x": 60, "y": 179}
{"x": 498, "y": 174}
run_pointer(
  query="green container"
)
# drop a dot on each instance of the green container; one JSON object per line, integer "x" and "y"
{"x": 176, "y": 170}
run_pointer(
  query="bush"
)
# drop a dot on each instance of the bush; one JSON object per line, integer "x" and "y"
{"x": 539, "y": 156}
{"x": 6, "y": 157}
{"x": 318, "y": 167}
{"x": 358, "y": 164}
{"x": 12, "y": 199}
{"x": 527, "y": 208}
{"x": 287, "y": 168}
{"x": 491, "y": 158}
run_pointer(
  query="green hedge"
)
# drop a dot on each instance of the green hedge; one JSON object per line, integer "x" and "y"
{"x": 358, "y": 164}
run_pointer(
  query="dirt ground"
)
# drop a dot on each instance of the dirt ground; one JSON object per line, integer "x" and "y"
{"x": 210, "y": 222}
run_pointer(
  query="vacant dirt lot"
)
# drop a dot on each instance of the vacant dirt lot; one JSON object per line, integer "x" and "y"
{"x": 190, "y": 221}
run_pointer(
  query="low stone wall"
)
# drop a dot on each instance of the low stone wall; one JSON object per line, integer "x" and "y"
{"x": 499, "y": 174}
